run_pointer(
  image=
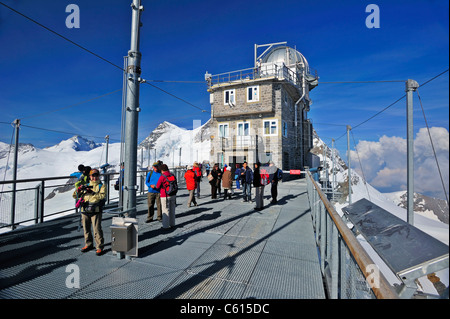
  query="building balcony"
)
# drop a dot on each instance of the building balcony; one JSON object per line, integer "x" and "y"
{"x": 237, "y": 142}
{"x": 281, "y": 72}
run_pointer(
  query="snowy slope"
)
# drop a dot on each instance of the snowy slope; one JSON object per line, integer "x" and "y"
{"x": 430, "y": 207}
{"x": 167, "y": 139}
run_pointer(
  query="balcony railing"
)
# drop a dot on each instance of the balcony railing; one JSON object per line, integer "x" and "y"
{"x": 265, "y": 70}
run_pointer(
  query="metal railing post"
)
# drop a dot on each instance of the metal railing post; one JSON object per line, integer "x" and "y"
{"x": 323, "y": 236}
{"x": 343, "y": 271}
{"x": 41, "y": 201}
{"x": 335, "y": 262}
{"x": 36, "y": 204}
{"x": 108, "y": 187}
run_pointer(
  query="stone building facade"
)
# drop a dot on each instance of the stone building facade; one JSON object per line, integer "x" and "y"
{"x": 260, "y": 114}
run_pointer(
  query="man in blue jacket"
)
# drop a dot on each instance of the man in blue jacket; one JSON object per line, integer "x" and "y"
{"x": 247, "y": 179}
{"x": 153, "y": 194}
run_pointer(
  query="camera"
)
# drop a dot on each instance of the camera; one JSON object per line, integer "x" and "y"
{"x": 84, "y": 188}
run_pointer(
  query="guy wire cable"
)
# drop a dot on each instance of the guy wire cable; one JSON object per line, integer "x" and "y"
{"x": 432, "y": 146}
{"x": 360, "y": 165}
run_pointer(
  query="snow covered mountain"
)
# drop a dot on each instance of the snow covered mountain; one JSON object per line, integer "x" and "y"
{"x": 76, "y": 143}
{"x": 431, "y": 207}
{"x": 6, "y": 150}
{"x": 176, "y": 146}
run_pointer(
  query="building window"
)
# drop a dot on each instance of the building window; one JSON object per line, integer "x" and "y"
{"x": 285, "y": 129}
{"x": 243, "y": 129}
{"x": 229, "y": 97}
{"x": 253, "y": 93}
{"x": 270, "y": 127}
{"x": 223, "y": 130}
{"x": 243, "y": 138}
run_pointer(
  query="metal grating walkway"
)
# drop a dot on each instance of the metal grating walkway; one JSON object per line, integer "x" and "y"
{"x": 219, "y": 250}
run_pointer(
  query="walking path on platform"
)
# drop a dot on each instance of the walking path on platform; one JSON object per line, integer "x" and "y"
{"x": 221, "y": 249}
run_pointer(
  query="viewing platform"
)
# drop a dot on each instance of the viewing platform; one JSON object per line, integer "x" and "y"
{"x": 221, "y": 249}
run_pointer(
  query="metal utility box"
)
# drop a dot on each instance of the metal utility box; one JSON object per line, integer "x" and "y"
{"x": 121, "y": 239}
{"x": 124, "y": 236}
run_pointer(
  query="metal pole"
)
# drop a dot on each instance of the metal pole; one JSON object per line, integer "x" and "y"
{"x": 107, "y": 177}
{"x": 349, "y": 170}
{"x": 41, "y": 201}
{"x": 107, "y": 146}
{"x": 179, "y": 161}
{"x": 133, "y": 79}
{"x": 333, "y": 176}
{"x": 16, "y": 154}
{"x": 148, "y": 154}
{"x": 411, "y": 86}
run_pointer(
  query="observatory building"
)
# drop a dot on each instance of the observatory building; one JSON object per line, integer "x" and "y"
{"x": 260, "y": 113}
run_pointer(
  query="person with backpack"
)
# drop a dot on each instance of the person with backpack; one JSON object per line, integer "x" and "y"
{"x": 191, "y": 185}
{"x": 83, "y": 179}
{"x": 79, "y": 173}
{"x": 153, "y": 195}
{"x": 79, "y": 176}
{"x": 246, "y": 181}
{"x": 168, "y": 187}
{"x": 259, "y": 186}
{"x": 91, "y": 198}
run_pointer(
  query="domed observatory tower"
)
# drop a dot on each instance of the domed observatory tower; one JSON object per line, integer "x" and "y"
{"x": 260, "y": 113}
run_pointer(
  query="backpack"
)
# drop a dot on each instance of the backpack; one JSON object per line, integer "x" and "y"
{"x": 172, "y": 188}
{"x": 264, "y": 176}
{"x": 279, "y": 174}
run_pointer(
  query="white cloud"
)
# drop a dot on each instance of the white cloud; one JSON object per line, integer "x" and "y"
{"x": 384, "y": 162}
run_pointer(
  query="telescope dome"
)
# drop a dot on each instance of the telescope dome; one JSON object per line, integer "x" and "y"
{"x": 285, "y": 54}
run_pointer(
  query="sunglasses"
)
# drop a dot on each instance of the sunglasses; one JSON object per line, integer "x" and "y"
{"x": 95, "y": 175}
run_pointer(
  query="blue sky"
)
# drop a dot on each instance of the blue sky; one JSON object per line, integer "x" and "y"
{"x": 181, "y": 40}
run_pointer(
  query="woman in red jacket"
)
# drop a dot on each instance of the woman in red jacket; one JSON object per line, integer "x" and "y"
{"x": 198, "y": 173}
{"x": 191, "y": 185}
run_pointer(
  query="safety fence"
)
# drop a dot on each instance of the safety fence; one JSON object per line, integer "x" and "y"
{"x": 38, "y": 199}
{"x": 349, "y": 272}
